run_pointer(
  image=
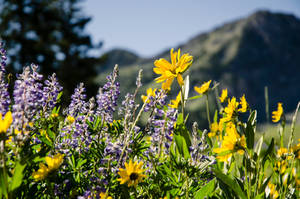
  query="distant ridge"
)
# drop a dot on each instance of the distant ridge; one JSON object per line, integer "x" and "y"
{"x": 244, "y": 56}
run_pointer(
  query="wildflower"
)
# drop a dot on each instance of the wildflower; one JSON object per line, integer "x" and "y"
{"x": 203, "y": 88}
{"x": 175, "y": 69}
{"x": 175, "y": 103}
{"x": 4, "y": 94}
{"x": 276, "y": 115}
{"x": 41, "y": 173}
{"x": 214, "y": 127}
{"x": 53, "y": 115}
{"x": 232, "y": 142}
{"x": 272, "y": 191}
{"x": 28, "y": 96}
{"x": 150, "y": 92}
{"x": 230, "y": 109}
{"x": 107, "y": 96}
{"x": 6, "y": 122}
{"x": 104, "y": 195}
{"x": 244, "y": 104}
{"x": 70, "y": 119}
{"x": 132, "y": 174}
{"x": 224, "y": 94}
{"x": 51, "y": 91}
{"x": 282, "y": 151}
{"x": 78, "y": 103}
{"x": 280, "y": 166}
{"x": 55, "y": 162}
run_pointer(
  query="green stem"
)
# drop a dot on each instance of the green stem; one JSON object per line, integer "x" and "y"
{"x": 182, "y": 100}
{"x": 282, "y": 131}
{"x": 207, "y": 111}
{"x": 247, "y": 181}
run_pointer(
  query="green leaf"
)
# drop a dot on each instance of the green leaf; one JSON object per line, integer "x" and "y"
{"x": 18, "y": 176}
{"x": 259, "y": 145}
{"x": 269, "y": 151}
{"x": 216, "y": 116}
{"x": 206, "y": 190}
{"x": 249, "y": 131}
{"x": 3, "y": 188}
{"x": 195, "y": 97}
{"x": 182, "y": 146}
{"x": 230, "y": 183}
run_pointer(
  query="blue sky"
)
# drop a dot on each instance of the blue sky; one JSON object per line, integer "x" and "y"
{"x": 148, "y": 27}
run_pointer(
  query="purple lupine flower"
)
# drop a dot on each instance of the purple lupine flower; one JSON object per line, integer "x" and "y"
{"x": 198, "y": 148}
{"x": 3, "y": 57}
{"x": 4, "y": 94}
{"x": 107, "y": 97}
{"x": 50, "y": 93}
{"x": 78, "y": 104}
{"x": 28, "y": 96}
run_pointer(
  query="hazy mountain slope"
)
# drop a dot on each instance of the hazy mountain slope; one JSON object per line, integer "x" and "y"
{"x": 244, "y": 56}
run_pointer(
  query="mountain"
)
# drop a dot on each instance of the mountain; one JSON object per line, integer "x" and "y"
{"x": 120, "y": 56}
{"x": 244, "y": 56}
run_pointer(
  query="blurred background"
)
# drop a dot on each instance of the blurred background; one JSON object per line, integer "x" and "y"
{"x": 246, "y": 46}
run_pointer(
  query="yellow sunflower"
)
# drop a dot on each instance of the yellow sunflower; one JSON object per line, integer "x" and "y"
{"x": 52, "y": 164}
{"x": 6, "y": 122}
{"x": 244, "y": 104}
{"x": 224, "y": 95}
{"x": 231, "y": 109}
{"x": 41, "y": 173}
{"x": 276, "y": 115}
{"x": 231, "y": 143}
{"x": 203, "y": 88}
{"x": 132, "y": 174}
{"x": 175, "y": 69}
{"x": 55, "y": 162}
{"x": 175, "y": 103}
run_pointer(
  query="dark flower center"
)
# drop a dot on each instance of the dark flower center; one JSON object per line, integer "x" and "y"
{"x": 134, "y": 176}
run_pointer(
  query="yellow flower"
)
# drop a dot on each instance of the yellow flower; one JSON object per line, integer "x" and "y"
{"x": 214, "y": 129}
{"x": 150, "y": 92}
{"x": 273, "y": 192}
{"x": 232, "y": 142}
{"x": 244, "y": 104}
{"x": 41, "y": 173}
{"x": 6, "y": 122}
{"x": 70, "y": 119}
{"x": 230, "y": 109}
{"x": 9, "y": 140}
{"x": 282, "y": 151}
{"x": 132, "y": 174}
{"x": 169, "y": 71}
{"x": 203, "y": 88}
{"x": 276, "y": 115}
{"x": 52, "y": 163}
{"x": 175, "y": 103}
{"x": 280, "y": 166}
{"x": 224, "y": 95}
{"x": 55, "y": 162}
{"x": 104, "y": 195}
{"x": 53, "y": 115}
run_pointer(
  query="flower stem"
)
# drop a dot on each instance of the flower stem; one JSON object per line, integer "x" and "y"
{"x": 207, "y": 111}
{"x": 182, "y": 100}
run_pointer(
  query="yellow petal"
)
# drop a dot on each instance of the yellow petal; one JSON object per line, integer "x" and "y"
{"x": 180, "y": 80}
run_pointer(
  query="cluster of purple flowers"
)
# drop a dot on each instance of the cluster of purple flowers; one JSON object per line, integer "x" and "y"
{"x": 4, "y": 94}
{"x": 160, "y": 123}
{"x": 107, "y": 97}
{"x": 50, "y": 94}
{"x": 75, "y": 136}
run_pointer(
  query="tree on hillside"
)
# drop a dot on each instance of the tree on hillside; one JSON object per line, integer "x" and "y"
{"x": 51, "y": 34}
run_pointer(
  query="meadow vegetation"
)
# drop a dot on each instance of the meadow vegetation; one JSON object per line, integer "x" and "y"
{"x": 95, "y": 148}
